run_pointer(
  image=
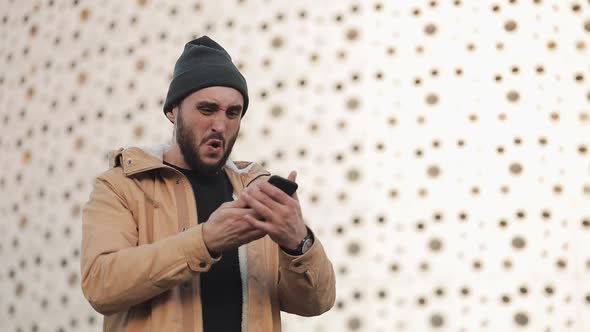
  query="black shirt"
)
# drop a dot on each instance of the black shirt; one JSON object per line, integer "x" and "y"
{"x": 221, "y": 287}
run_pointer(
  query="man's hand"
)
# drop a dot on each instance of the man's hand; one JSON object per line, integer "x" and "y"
{"x": 228, "y": 229}
{"x": 283, "y": 221}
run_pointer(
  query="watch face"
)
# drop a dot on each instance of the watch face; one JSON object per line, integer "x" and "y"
{"x": 306, "y": 245}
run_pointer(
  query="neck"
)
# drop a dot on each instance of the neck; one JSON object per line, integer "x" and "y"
{"x": 173, "y": 156}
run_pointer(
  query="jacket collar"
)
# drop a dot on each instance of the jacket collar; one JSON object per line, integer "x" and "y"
{"x": 139, "y": 159}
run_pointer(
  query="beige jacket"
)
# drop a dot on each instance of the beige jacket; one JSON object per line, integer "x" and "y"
{"x": 143, "y": 252}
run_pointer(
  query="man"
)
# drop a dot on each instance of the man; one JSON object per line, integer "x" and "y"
{"x": 179, "y": 238}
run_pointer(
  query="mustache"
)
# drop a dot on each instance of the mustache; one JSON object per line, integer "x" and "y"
{"x": 217, "y": 136}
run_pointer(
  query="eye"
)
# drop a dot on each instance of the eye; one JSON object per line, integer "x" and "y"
{"x": 233, "y": 113}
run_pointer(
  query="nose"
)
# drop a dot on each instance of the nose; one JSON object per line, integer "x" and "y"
{"x": 218, "y": 124}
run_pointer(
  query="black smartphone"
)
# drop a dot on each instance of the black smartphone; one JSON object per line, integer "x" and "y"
{"x": 287, "y": 186}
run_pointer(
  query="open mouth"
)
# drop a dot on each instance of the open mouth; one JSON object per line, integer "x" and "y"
{"x": 215, "y": 143}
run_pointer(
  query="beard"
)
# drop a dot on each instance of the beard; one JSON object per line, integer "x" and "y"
{"x": 190, "y": 150}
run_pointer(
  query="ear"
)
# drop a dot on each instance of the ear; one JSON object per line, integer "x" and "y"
{"x": 171, "y": 115}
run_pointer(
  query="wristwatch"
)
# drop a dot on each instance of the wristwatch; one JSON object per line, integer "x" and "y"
{"x": 303, "y": 246}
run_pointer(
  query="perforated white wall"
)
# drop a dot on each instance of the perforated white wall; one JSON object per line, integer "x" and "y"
{"x": 442, "y": 147}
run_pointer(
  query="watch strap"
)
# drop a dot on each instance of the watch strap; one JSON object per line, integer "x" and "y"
{"x": 300, "y": 248}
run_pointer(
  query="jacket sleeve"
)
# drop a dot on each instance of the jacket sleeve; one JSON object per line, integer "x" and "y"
{"x": 307, "y": 284}
{"x": 116, "y": 272}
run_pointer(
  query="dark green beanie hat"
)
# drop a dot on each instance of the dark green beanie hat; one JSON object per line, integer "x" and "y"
{"x": 202, "y": 64}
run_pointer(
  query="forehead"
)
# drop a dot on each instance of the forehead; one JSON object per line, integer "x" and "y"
{"x": 217, "y": 94}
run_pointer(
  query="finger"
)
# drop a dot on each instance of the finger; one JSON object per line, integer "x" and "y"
{"x": 265, "y": 199}
{"x": 292, "y": 176}
{"x": 235, "y": 204}
{"x": 243, "y": 211}
{"x": 253, "y": 213}
{"x": 276, "y": 194}
{"x": 258, "y": 206}
{"x": 261, "y": 225}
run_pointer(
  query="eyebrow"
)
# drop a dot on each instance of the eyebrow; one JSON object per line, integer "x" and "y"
{"x": 206, "y": 104}
{"x": 215, "y": 106}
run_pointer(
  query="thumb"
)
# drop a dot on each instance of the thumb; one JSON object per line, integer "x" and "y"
{"x": 293, "y": 177}
{"x": 238, "y": 203}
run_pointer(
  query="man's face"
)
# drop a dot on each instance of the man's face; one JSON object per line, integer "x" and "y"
{"x": 207, "y": 125}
